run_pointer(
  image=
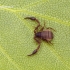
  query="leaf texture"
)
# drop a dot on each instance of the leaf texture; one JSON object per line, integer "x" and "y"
{"x": 16, "y": 35}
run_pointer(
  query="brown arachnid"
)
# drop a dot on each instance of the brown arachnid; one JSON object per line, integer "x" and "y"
{"x": 41, "y": 34}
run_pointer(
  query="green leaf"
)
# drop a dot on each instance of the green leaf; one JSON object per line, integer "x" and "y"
{"x": 16, "y": 35}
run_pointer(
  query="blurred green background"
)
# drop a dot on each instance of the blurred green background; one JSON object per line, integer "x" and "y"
{"x": 16, "y": 35}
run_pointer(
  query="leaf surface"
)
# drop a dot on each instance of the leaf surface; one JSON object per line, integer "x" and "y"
{"x": 16, "y": 35}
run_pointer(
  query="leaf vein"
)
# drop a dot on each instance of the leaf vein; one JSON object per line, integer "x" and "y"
{"x": 8, "y": 57}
